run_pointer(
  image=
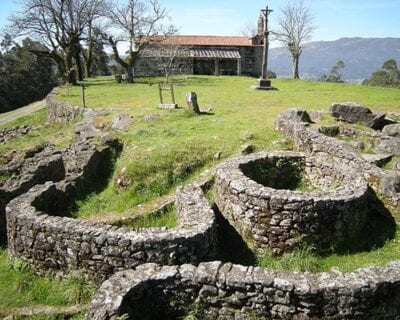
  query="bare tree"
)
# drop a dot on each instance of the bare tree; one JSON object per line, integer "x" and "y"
{"x": 169, "y": 57}
{"x": 141, "y": 22}
{"x": 60, "y": 25}
{"x": 295, "y": 26}
{"x": 249, "y": 29}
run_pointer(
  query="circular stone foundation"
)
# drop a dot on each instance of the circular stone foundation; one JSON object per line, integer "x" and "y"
{"x": 280, "y": 200}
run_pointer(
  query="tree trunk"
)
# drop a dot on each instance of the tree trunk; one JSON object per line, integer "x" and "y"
{"x": 89, "y": 56}
{"x": 78, "y": 64}
{"x": 128, "y": 74}
{"x": 88, "y": 62}
{"x": 71, "y": 75}
{"x": 296, "y": 59}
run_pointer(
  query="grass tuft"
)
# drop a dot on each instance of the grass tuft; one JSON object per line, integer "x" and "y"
{"x": 20, "y": 287}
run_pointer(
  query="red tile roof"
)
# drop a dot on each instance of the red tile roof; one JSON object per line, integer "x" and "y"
{"x": 208, "y": 41}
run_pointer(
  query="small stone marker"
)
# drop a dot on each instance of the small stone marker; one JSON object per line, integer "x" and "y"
{"x": 191, "y": 102}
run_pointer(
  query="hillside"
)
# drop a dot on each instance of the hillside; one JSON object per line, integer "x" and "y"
{"x": 360, "y": 55}
{"x": 163, "y": 149}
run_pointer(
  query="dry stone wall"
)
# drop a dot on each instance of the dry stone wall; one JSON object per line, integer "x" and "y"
{"x": 58, "y": 111}
{"x": 271, "y": 216}
{"x": 8, "y": 134}
{"x": 226, "y": 291}
{"x": 46, "y": 165}
{"x": 56, "y": 244}
{"x": 312, "y": 141}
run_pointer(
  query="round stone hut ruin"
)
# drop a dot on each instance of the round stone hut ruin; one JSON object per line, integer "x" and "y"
{"x": 281, "y": 199}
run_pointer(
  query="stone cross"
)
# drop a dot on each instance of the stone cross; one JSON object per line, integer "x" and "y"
{"x": 265, "y": 13}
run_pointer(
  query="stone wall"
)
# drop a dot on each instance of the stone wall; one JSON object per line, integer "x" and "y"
{"x": 45, "y": 165}
{"x": 272, "y": 216}
{"x": 40, "y": 235}
{"x": 251, "y": 60}
{"x": 8, "y": 134}
{"x": 250, "y": 63}
{"x": 58, "y": 111}
{"x": 312, "y": 141}
{"x": 229, "y": 291}
{"x": 148, "y": 67}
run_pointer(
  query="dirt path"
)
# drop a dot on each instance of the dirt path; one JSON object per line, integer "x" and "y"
{"x": 20, "y": 112}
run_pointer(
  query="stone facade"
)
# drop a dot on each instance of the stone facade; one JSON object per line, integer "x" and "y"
{"x": 272, "y": 216}
{"x": 226, "y": 291}
{"x": 203, "y": 55}
{"x": 150, "y": 67}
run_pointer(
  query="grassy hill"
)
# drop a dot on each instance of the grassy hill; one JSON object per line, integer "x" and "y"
{"x": 164, "y": 148}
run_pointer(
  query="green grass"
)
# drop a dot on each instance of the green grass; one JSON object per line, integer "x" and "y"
{"x": 167, "y": 218}
{"x": 19, "y": 287}
{"x": 34, "y": 119}
{"x": 170, "y": 150}
{"x": 305, "y": 259}
{"x": 175, "y": 146}
{"x": 59, "y": 134}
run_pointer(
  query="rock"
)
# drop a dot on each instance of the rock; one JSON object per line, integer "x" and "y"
{"x": 390, "y": 145}
{"x": 106, "y": 138}
{"x": 121, "y": 122}
{"x": 330, "y": 131}
{"x": 292, "y": 115}
{"x": 392, "y": 130}
{"x": 390, "y": 185}
{"x": 122, "y": 181}
{"x": 397, "y": 164}
{"x": 316, "y": 115}
{"x": 378, "y": 159}
{"x": 191, "y": 102}
{"x": 354, "y": 113}
{"x": 298, "y": 115}
{"x": 85, "y": 131}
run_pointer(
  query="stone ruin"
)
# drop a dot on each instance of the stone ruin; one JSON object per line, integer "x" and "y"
{"x": 322, "y": 194}
{"x": 256, "y": 194}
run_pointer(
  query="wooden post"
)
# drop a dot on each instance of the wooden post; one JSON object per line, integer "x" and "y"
{"x": 83, "y": 96}
{"x": 160, "y": 93}
{"x": 172, "y": 93}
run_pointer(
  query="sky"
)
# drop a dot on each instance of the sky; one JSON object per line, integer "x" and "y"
{"x": 333, "y": 19}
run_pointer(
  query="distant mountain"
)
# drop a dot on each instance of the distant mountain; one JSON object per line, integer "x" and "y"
{"x": 361, "y": 56}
